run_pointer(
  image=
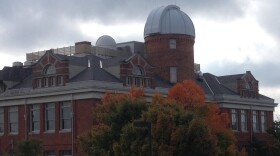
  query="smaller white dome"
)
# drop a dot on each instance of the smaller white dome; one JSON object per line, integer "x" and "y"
{"x": 106, "y": 41}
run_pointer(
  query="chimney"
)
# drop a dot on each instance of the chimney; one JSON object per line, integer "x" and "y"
{"x": 82, "y": 47}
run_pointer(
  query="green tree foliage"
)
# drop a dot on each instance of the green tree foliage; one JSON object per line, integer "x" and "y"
{"x": 179, "y": 125}
{"x": 30, "y": 147}
{"x": 115, "y": 113}
{"x": 274, "y": 131}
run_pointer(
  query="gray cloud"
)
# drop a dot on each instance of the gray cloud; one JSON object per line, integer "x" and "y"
{"x": 26, "y": 23}
{"x": 268, "y": 17}
{"x": 266, "y": 72}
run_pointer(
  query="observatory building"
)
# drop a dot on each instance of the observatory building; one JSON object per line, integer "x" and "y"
{"x": 51, "y": 95}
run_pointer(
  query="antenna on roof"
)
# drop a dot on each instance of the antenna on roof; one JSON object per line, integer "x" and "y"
{"x": 88, "y": 63}
{"x": 100, "y": 62}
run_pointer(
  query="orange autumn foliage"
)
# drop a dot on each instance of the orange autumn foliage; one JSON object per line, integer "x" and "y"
{"x": 188, "y": 94}
{"x": 137, "y": 92}
{"x": 217, "y": 120}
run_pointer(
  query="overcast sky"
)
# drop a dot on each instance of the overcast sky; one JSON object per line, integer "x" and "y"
{"x": 232, "y": 36}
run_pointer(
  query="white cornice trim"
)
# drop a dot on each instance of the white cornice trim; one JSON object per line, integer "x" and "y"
{"x": 79, "y": 90}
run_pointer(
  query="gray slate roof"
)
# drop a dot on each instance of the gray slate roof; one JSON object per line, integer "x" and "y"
{"x": 221, "y": 85}
{"x": 14, "y": 73}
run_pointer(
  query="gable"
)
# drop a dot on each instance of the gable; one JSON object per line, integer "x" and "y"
{"x": 248, "y": 86}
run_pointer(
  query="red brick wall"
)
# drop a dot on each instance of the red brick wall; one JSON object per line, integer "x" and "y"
{"x": 126, "y": 69}
{"x": 162, "y": 57}
{"x": 49, "y": 58}
{"x": 245, "y": 138}
{"x": 57, "y": 140}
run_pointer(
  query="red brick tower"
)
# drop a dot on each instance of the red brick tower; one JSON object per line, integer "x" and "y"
{"x": 169, "y": 38}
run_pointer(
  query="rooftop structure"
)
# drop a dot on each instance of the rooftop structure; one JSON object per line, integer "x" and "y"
{"x": 62, "y": 86}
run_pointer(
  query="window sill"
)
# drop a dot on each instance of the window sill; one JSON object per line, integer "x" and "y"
{"x": 244, "y": 131}
{"x": 34, "y": 132}
{"x": 65, "y": 131}
{"x": 256, "y": 131}
{"x": 13, "y": 133}
{"x": 49, "y": 131}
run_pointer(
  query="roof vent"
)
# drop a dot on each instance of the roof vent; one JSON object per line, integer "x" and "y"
{"x": 17, "y": 64}
{"x": 27, "y": 63}
{"x": 82, "y": 47}
{"x": 199, "y": 75}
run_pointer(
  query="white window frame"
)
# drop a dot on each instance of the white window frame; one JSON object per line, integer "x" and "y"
{"x": 60, "y": 80}
{"x": 52, "y": 81}
{"x": 256, "y": 125}
{"x": 128, "y": 80}
{"x": 173, "y": 74}
{"x": 148, "y": 83}
{"x": 1, "y": 120}
{"x": 45, "y": 81}
{"x": 66, "y": 153}
{"x": 234, "y": 120}
{"x": 134, "y": 79}
{"x": 63, "y": 119}
{"x": 13, "y": 120}
{"x": 172, "y": 44}
{"x": 39, "y": 83}
{"x": 264, "y": 121}
{"x": 35, "y": 121}
{"x": 49, "y": 69}
{"x": 49, "y": 153}
{"x": 49, "y": 120}
{"x": 244, "y": 121}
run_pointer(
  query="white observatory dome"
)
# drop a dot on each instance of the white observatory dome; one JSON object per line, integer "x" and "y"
{"x": 168, "y": 20}
{"x": 106, "y": 41}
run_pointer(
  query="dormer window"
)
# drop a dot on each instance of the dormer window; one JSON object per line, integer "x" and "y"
{"x": 137, "y": 70}
{"x": 49, "y": 70}
{"x": 248, "y": 85}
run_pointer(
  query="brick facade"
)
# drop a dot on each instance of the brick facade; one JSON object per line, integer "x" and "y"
{"x": 162, "y": 57}
{"x": 56, "y": 140}
{"x": 245, "y": 138}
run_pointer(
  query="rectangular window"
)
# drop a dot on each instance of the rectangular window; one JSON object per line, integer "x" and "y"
{"x": 39, "y": 83}
{"x": 172, "y": 44}
{"x": 142, "y": 82}
{"x": 45, "y": 81}
{"x": 60, "y": 80}
{"x": 244, "y": 124}
{"x": 49, "y": 153}
{"x": 35, "y": 118}
{"x": 52, "y": 81}
{"x": 65, "y": 116}
{"x": 264, "y": 121}
{"x": 1, "y": 120}
{"x": 13, "y": 119}
{"x": 66, "y": 153}
{"x": 50, "y": 117}
{"x": 234, "y": 120}
{"x": 256, "y": 126}
{"x": 173, "y": 74}
{"x": 148, "y": 82}
{"x": 128, "y": 81}
{"x": 134, "y": 81}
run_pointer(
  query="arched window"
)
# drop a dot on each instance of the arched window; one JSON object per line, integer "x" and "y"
{"x": 49, "y": 70}
{"x": 137, "y": 70}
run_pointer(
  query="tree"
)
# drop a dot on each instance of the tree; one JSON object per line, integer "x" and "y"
{"x": 114, "y": 116}
{"x": 31, "y": 147}
{"x": 188, "y": 94}
{"x": 274, "y": 131}
{"x": 179, "y": 125}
